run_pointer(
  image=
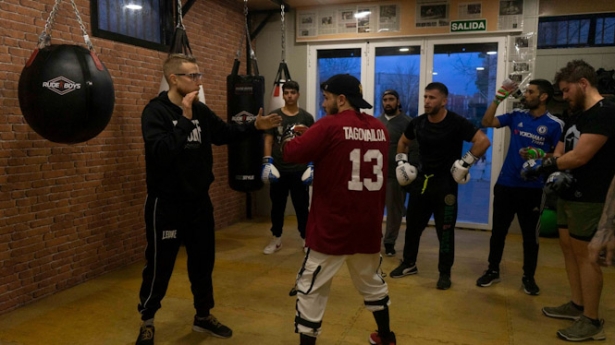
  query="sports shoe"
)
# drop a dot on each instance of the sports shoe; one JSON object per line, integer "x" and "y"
{"x": 404, "y": 269}
{"x": 212, "y": 326}
{"x": 564, "y": 311}
{"x": 444, "y": 282}
{"x": 583, "y": 329}
{"x": 488, "y": 278}
{"x": 389, "y": 249}
{"x": 530, "y": 287}
{"x": 146, "y": 335}
{"x": 273, "y": 246}
{"x": 375, "y": 339}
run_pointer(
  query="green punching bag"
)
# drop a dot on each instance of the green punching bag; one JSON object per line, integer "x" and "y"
{"x": 548, "y": 223}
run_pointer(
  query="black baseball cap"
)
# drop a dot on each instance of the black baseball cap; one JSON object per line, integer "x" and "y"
{"x": 391, "y": 92}
{"x": 349, "y": 86}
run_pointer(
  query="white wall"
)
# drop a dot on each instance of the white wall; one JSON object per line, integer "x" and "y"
{"x": 549, "y": 61}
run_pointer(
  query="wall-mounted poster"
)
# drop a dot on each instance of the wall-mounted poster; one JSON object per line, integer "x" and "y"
{"x": 389, "y": 18}
{"x": 306, "y": 24}
{"x": 511, "y": 15}
{"x": 432, "y": 13}
{"x": 470, "y": 10}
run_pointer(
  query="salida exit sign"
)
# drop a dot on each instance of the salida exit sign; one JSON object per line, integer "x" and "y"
{"x": 469, "y": 25}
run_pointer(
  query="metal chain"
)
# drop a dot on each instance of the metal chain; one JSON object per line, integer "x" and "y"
{"x": 44, "y": 39}
{"x": 86, "y": 37}
{"x": 245, "y": 13}
{"x": 283, "y": 34}
{"x": 180, "y": 19}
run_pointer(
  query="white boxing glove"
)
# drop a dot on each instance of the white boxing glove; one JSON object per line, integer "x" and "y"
{"x": 461, "y": 168}
{"x": 405, "y": 172}
{"x": 308, "y": 174}
{"x": 269, "y": 172}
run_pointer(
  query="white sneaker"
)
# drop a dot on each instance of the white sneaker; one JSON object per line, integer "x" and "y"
{"x": 273, "y": 246}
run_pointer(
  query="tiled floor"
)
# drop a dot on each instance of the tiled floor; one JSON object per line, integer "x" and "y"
{"x": 252, "y": 298}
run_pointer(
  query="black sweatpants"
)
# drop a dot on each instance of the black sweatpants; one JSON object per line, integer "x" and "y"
{"x": 168, "y": 224}
{"x": 437, "y": 195}
{"x": 289, "y": 182}
{"x": 526, "y": 204}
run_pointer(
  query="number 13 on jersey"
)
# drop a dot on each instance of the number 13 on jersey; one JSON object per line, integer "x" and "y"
{"x": 372, "y": 180}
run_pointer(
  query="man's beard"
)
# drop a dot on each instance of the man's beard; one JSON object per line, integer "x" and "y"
{"x": 579, "y": 101}
{"x": 434, "y": 110}
{"x": 390, "y": 111}
{"x": 530, "y": 105}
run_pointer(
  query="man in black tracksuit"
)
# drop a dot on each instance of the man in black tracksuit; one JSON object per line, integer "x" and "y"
{"x": 178, "y": 132}
{"x": 440, "y": 135}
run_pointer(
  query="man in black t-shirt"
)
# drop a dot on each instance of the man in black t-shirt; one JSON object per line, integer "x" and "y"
{"x": 584, "y": 158}
{"x": 433, "y": 186}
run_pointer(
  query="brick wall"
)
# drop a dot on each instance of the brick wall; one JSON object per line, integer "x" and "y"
{"x": 69, "y": 213}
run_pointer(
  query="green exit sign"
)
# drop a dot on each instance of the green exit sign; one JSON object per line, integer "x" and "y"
{"x": 469, "y": 25}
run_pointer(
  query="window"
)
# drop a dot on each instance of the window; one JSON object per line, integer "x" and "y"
{"x": 591, "y": 30}
{"x": 398, "y": 68}
{"x": 144, "y": 23}
{"x": 332, "y": 62}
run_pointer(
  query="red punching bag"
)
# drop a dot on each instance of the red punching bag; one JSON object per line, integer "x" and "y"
{"x": 65, "y": 92}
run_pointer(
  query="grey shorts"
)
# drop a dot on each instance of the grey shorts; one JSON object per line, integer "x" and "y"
{"x": 580, "y": 218}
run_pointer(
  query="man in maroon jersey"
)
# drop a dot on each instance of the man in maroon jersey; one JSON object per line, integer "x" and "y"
{"x": 350, "y": 154}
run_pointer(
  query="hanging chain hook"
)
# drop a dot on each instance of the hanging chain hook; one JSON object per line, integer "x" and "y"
{"x": 283, "y": 33}
{"x": 180, "y": 19}
{"x": 245, "y": 13}
{"x": 44, "y": 39}
{"x": 86, "y": 37}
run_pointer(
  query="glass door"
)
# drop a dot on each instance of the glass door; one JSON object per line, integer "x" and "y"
{"x": 470, "y": 69}
{"x": 325, "y": 62}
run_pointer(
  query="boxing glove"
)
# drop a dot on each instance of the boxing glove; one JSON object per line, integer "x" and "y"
{"x": 405, "y": 172}
{"x": 532, "y": 153}
{"x": 508, "y": 86}
{"x": 269, "y": 173}
{"x": 461, "y": 168}
{"x": 532, "y": 169}
{"x": 308, "y": 174}
{"x": 560, "y": 182}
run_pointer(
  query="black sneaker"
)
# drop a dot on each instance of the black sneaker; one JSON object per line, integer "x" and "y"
{"x": 444, "y": 283}
{"x": 212, "y": 326}
{"x": 389, "y": 249}
{"x": 146, "y": 336}
{"x": 530, "y": 287}
{"x": 404, "y": 269}
{"x": 488, "y": 278}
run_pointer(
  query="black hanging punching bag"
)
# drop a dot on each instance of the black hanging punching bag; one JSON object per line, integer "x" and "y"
{"x": 245, "y": 96}
{"x": 66, "y": 94}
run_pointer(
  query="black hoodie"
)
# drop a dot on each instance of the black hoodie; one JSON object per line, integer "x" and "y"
{"x": 178, "y": 153}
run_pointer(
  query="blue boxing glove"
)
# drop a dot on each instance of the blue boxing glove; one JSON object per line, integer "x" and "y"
{"x": 560, "y": 182}
{"x": 269, "y": 173}
{"x": 533, "y": 168}
{"x": 308, "y": 174}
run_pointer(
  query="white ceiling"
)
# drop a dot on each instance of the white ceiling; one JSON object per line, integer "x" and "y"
{"x": 273, "y": 4}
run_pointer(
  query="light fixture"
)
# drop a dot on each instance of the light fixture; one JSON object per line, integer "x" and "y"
{"x": 404, "y": 49}
{"x": 134, "y": 7}
{"x": 362, "y": 14}
{"x": 434, "y": 73}
{"x": 480, "y": 68}
{"x": 492, "y": 52}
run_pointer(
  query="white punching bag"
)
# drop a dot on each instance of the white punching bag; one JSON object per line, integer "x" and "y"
{"x": 164, "y": 86}
{"x": 277, "y": 96}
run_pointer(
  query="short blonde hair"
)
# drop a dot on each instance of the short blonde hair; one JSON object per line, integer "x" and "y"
{"x": 173, "y": 63}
